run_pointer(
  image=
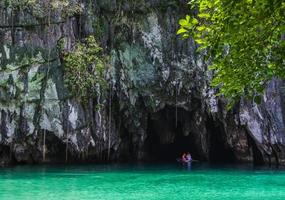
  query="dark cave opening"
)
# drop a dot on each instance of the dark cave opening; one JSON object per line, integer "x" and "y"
{"x": 219, "y": 152}
{"x": 166, "y": 141}
{"x": 257, "y": 155}
{"x": 5, "y": 155}
{"x": 55, "y": 148}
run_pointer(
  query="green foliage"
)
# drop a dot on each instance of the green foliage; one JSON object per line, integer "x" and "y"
{"x": 22, "y": 58}
{"x": 84, "y": 70}
{"x": 21, "y": 63}
{"x": 43, "y": 9}
{"x": 245, "y": 41}
{"x": 99, "y": 27}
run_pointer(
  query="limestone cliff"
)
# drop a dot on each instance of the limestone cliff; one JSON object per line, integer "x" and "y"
{"x": 159, "y": 100}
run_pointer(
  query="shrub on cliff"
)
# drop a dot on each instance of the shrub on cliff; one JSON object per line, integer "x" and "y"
{"x": 84, "y": 69}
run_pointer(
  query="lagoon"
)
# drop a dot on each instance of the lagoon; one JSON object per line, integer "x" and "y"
{"x": 140, "y": 181}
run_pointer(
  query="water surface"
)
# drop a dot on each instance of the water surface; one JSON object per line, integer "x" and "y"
{"x": 171, "y": 182}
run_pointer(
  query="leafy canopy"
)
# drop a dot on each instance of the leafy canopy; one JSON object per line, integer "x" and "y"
{"x": 245, "y": 41}
{"x": 84, "y": 69}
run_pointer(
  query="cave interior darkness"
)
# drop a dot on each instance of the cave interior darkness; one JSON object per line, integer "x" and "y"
{"x": 166, "y": 141}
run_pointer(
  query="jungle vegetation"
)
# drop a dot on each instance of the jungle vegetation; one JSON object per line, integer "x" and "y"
{"x": 244, "y": 41}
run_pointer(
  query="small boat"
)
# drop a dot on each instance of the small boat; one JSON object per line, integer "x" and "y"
{"x": 184, "y": 161}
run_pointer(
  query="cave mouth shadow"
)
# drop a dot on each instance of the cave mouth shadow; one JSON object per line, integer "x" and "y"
{"x": 166, "y": 140}
{"x": 168, "y": 137}
{"x": 219, "y": 151}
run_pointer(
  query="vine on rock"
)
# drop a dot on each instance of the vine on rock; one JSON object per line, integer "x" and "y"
{"x": 84, "y": 70}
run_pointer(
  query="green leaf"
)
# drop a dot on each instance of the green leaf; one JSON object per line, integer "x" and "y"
{"x": 204, "y": 15}
{"x": 188, "y": 18}
{"x": 201, "y": 28}
{"x": 183, "y": 22}
{"x": 181, "y": 30}
{"x": 195, "y": 21}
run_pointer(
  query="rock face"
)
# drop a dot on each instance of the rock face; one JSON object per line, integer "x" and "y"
{"x": 159, "y": 103}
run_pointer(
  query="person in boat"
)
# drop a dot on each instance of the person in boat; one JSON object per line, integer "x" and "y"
{"x": 188, "y": 157}
{"x": 183, "y": 158}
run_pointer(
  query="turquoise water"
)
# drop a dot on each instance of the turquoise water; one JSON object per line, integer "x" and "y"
{"x": 140, "y": 182}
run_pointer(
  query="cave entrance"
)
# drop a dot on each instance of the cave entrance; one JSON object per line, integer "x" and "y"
{"x": 166, "y": 139}
{"x": 219, "y": 151}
